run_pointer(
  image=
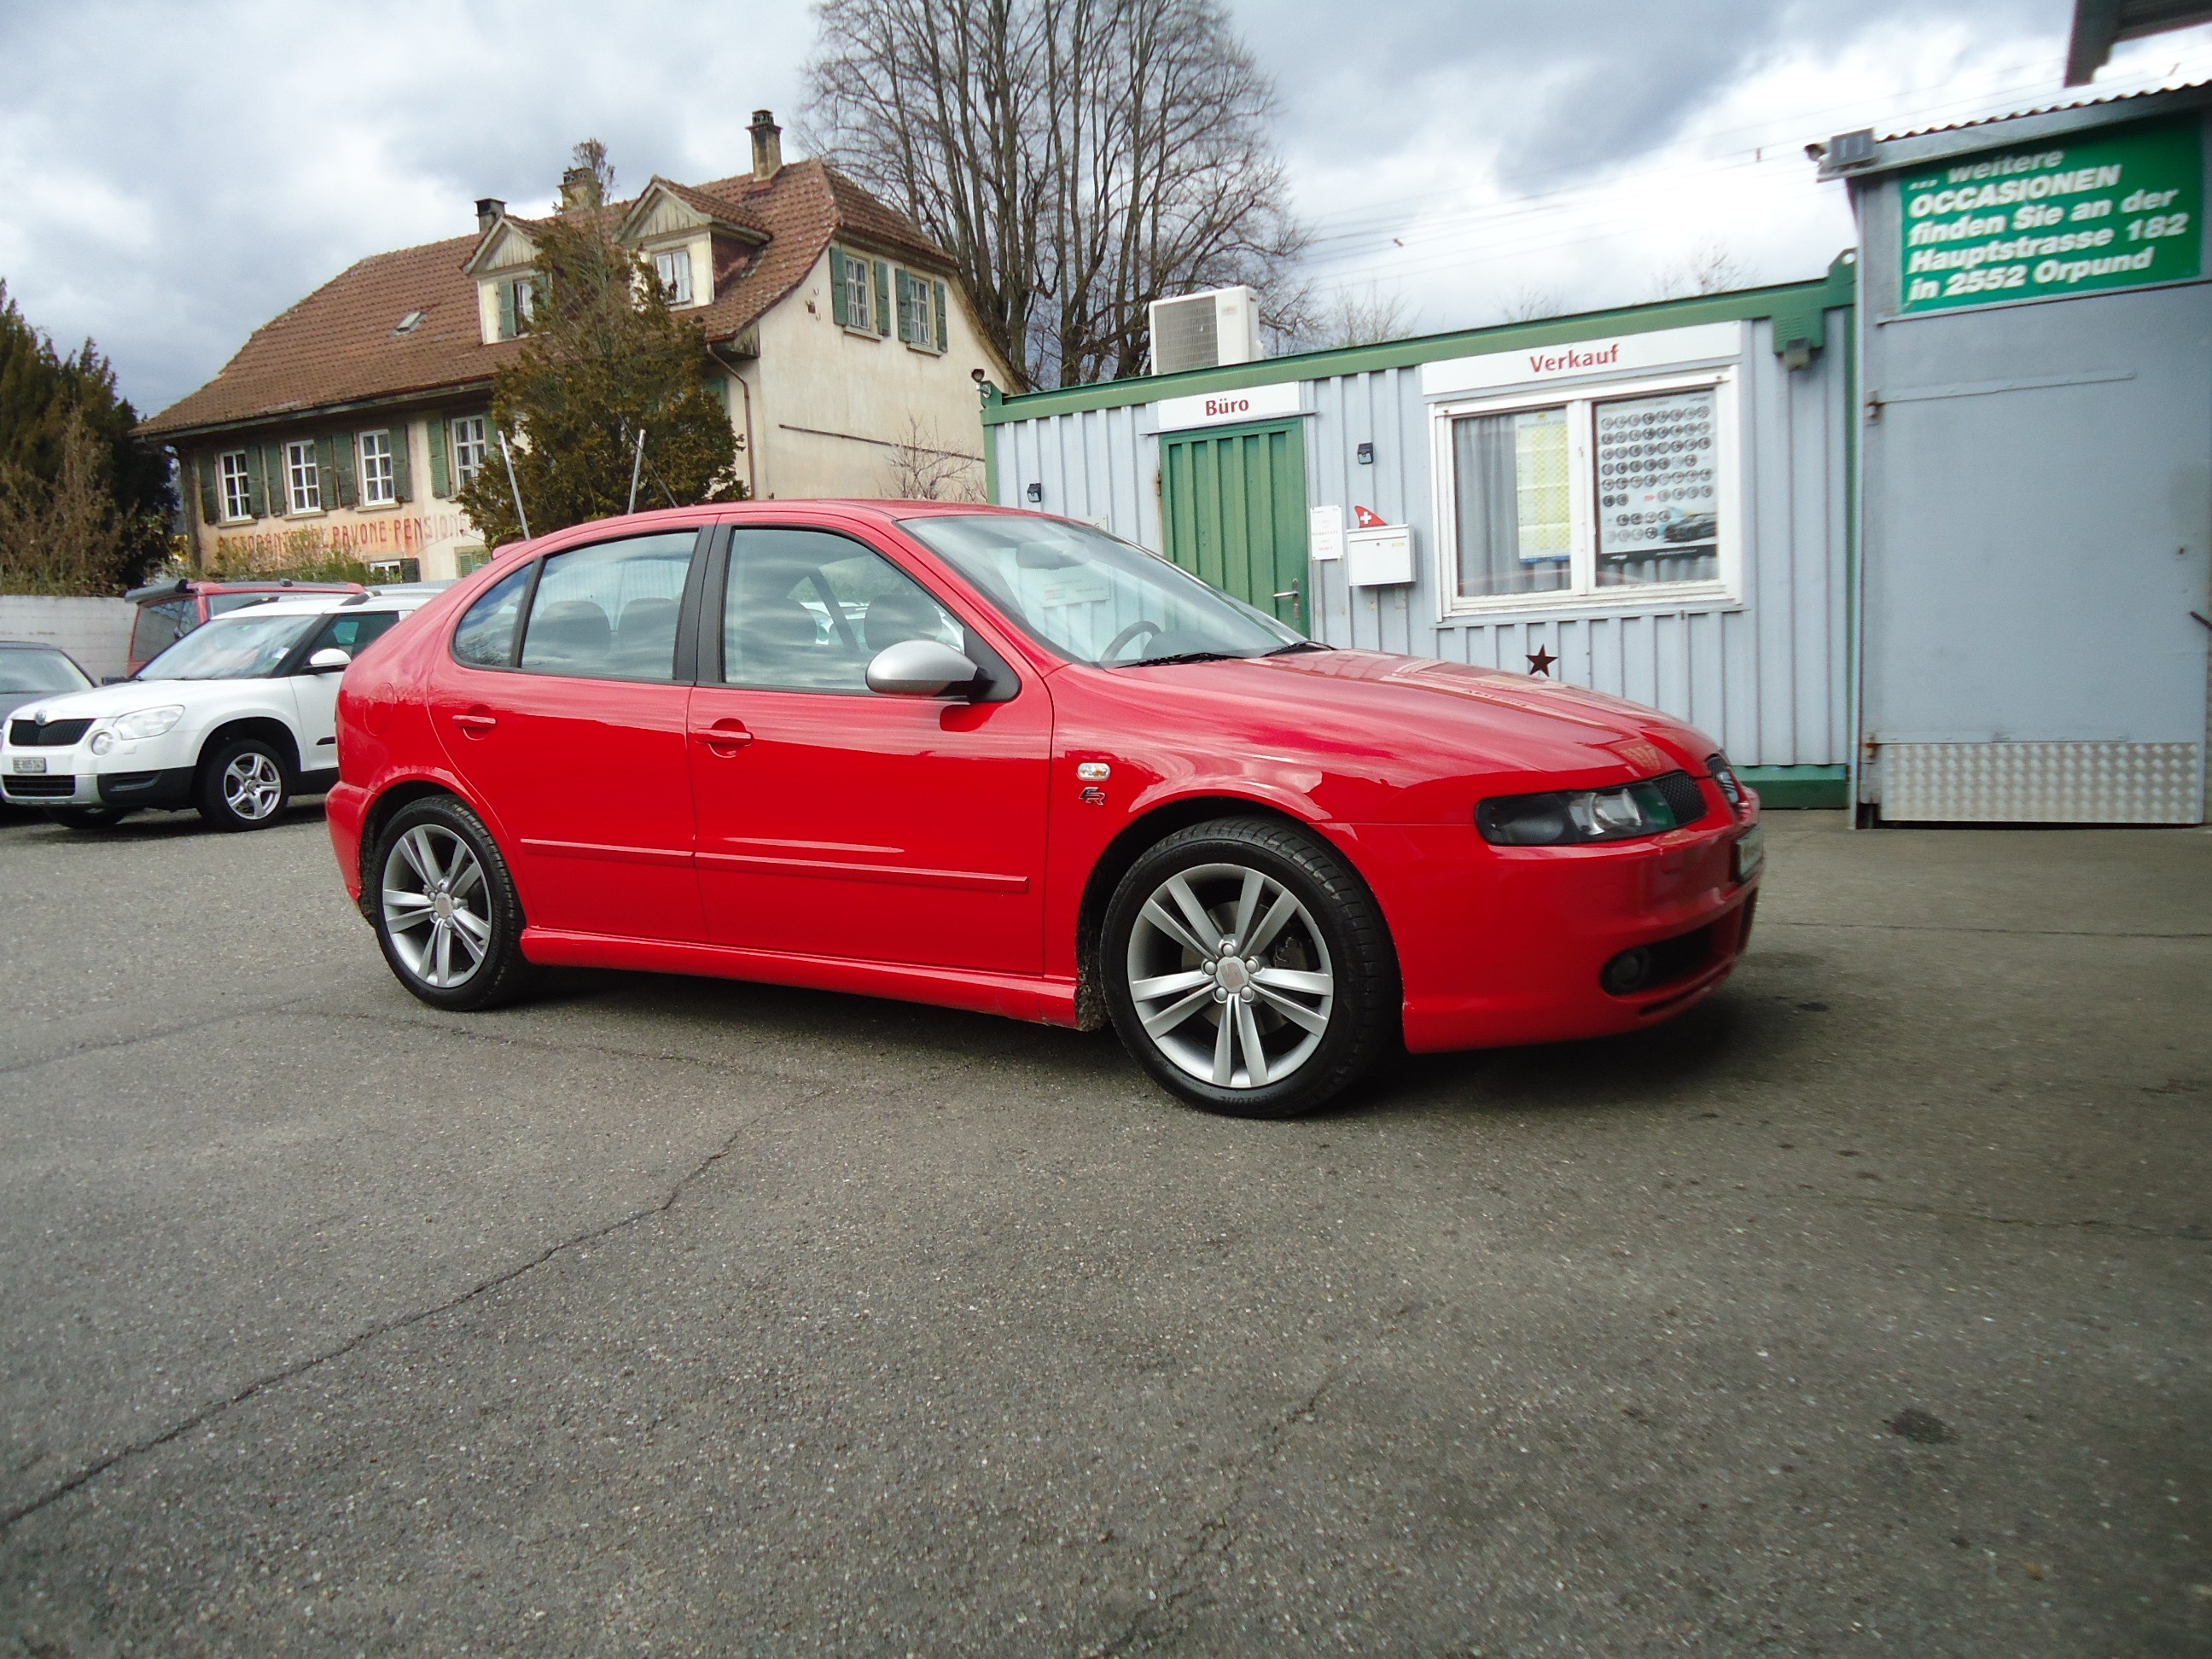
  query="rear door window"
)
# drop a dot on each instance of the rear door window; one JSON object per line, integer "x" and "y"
{"x": 160, "y": 626}
{"x": 609, "y": 611}
{"x": 485, "y": 638}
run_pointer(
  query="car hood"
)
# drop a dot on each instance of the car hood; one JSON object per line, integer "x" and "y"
{"x": 104, "y": 700}
{"x": 1378, "y": 736}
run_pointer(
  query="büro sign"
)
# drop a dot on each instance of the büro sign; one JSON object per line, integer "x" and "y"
{"x": 1257, "y": 403}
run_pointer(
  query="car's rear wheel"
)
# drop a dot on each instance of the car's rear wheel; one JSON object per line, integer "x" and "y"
{"x": 243, "y": 785}
{"x": 89, "y": 817}
{"x": 445, "y": 908}
{"x": 1248, "y": 969}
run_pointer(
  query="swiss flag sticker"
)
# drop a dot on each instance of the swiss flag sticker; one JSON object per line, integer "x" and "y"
{"x": 1367, "y": 519}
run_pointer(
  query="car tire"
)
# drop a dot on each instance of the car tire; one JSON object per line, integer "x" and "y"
{"x": 465, "y": 952}
{"x": 89, "y": 817}
{"x": 1311, "y": 991}
{"x": 243, "y": 785}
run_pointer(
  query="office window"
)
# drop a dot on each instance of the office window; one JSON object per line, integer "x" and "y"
{"x": 376, "y": 474}
{"x": 468, "y": 448}
{"x": 237, "y": 487}
{"x": 674, "y": 269}
{"x": 302, "y": 478}
{"x": 1617, "y": 492}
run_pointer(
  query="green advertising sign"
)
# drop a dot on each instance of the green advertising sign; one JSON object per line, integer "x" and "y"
{"x": 2108, "y": 209}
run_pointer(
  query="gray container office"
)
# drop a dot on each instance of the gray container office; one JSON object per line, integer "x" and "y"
{"x": 1655, "y": 501}
{"x": 2036, "y": 577}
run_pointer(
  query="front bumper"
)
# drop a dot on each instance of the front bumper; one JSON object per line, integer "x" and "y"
{"x": 131, "y": 775}
{"x": 1500, "y": 945}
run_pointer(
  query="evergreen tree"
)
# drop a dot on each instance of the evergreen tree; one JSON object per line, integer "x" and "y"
{"x": 603, "y": 358}
{"x": 70, "y": 458}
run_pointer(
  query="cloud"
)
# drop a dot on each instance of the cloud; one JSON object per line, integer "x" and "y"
{"x": 179, "y": 175}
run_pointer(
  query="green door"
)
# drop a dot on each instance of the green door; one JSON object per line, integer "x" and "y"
{"x": 1234, "y": 502}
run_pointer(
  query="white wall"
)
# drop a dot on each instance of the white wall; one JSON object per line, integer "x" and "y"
{"x": 96, "y": 632}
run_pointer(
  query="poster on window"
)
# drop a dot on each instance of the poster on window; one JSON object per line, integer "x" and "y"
{"x": 1657, "y": 497}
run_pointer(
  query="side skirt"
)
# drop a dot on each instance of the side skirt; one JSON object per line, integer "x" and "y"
{"x": 1035, "y": 997}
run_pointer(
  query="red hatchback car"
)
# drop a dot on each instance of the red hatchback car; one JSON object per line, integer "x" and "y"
{"x": 1004, "y": 761}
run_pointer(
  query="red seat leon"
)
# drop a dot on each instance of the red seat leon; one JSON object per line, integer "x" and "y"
{"x": 1004, "y": 761}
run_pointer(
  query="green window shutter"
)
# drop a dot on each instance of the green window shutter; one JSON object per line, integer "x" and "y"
{"x": 280, "y": 482}
{"x": 936, "y": 310}
{"x": 210, "y": 499}
{"x": 257, "y": 488}
{"x": 905, "y": 307}
{"x": 883, "y": 297}
{"x": 839, "y": 310}
{"x": 402, "y": 481}
{"x": 326, "y": 471}
{"x": 506, "y": 321}
{"x": 442, "y": 439}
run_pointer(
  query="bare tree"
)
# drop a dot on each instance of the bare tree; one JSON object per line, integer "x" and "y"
{"x": 1357, "y": 317}
{"x": 922, "y": 468}
{"x": 1529, "y": 303}
{"x": 1078, "y": 158}
{"x": 1707, "y": 268}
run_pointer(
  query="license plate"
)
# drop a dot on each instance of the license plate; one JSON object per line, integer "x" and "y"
{"x": 1750, "y": 853}
{"x": 30, "y": 762}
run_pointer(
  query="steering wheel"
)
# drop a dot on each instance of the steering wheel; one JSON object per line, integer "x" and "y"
{"x": 1138, "y": 630}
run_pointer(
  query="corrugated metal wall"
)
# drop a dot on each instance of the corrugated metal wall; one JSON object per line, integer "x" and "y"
{"x": 1768, "y": 679}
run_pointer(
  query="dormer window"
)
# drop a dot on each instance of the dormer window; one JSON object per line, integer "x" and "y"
{"x": 518, "y": 304}
{"x": 674, "y": 268}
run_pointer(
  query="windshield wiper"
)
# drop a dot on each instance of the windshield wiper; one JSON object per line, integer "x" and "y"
{"x": 1298, "y": 645}
{"x": 1188, "y": 656}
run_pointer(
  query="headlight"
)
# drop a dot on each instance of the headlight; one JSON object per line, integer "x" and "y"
{"x": 1575, "y": 815}
{"x": 1724, "y": 776}
{"x": 148, "y": 722}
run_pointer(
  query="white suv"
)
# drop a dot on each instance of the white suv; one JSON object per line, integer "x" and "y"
{"x": 235, "y": 717}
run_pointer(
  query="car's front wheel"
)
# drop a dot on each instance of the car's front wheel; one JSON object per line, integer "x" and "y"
{"x": 243, "y": 785}
{"x": 1248, "y": 969}
{"x": 445, "y": 908}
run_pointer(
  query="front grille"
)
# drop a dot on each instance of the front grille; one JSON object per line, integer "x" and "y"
{"x": 54, "y": 734}
{"x": 52, "y": 785}
{"x": 1683, "y": 797}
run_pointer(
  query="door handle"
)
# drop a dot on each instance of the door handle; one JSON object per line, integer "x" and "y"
{"x": 1293, "y": 592}
{"x": 476, "y": 722}
{"x": 725, "y": 736}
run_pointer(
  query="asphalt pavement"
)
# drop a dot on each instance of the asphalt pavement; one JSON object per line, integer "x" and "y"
{"x": 1866, "y": 1309}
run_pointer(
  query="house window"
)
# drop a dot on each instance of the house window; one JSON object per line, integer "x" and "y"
{"x": 518, "y": 303}
{"x": 915, "y": 325}
{"x": 468, "y": 448}
{"x": 304, "y": 481}
{"x": 237, "y": 487}
{"x": 1616, "y": 495}
{"x": 854, "y": 277}
{"x": 674, "y": 269}
{"x": 376, "y": 476}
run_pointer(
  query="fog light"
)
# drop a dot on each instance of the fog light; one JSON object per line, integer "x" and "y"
{"x": 102, "y": 742}
{"x": 1627, "y": 972}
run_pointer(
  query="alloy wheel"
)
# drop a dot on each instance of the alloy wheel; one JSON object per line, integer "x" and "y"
{"x": 436, "y": 907}
{"x": 1230, "y": 975}
{"x": 253, "y": 786}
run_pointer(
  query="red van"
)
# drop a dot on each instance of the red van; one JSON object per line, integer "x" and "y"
{"x": 169, "y": 611}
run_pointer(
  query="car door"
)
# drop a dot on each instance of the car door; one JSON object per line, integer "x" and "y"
{"x": 561, "y": 706}
{"x": 837, "y": 821}
{"x": 315, "y": 696}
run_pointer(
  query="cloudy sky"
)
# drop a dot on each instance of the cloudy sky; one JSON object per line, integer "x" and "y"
{"x": 176, "y": 174}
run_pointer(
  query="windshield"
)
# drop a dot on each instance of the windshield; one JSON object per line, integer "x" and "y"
{"x": 39, "y": 670}
{"x": 1093, "y": 598}
{"x": 243, "y": 647}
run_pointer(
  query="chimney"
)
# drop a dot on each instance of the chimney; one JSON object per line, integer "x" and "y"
{"x": 580, "y": 191}
{"x": 489, "y": 211}
{"x": 768, "y": 144}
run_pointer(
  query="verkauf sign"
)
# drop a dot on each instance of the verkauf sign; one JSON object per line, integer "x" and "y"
{"x": 1256, "y": 403}
{"x": 1663, "y": 348}
{"x": 2115, "y": 209}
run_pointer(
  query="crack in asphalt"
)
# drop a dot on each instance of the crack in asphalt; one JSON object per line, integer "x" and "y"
{"x": 264, "y": 1383}
{"x": 152, "y": 1033}
{"x": 2092, "y": 1225}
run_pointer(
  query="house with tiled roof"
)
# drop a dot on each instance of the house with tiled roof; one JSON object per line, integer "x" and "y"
{"x": 846, "y": 351}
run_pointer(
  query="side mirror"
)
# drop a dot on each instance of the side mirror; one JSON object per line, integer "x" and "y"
{"x": 919, "y": 668}
{"x": 331, "y": 660}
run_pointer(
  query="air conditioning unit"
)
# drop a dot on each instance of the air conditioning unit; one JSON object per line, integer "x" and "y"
{"x": 1204, "y": 331}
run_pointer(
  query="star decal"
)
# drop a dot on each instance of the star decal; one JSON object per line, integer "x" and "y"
{"x": 1540, "y": 660}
